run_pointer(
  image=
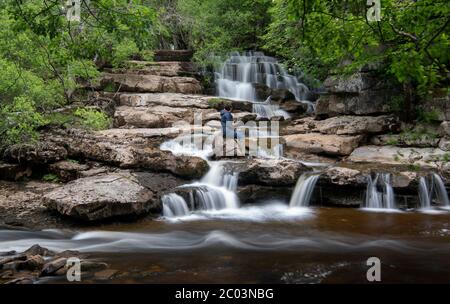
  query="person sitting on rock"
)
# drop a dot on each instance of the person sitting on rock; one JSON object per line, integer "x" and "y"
{"x": 226, "y": 120}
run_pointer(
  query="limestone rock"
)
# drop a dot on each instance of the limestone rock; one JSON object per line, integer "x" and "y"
{"x": 39, "y": 153}
{"x": 14, "y": 172}
{"x": 101, "y": 197}
{"x": 322, "y": 144}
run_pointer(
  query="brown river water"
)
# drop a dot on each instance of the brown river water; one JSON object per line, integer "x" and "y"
{"x": 269, "y": 244}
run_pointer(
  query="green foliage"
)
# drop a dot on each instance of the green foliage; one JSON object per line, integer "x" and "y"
{"x": 44, "y": 57}
{"x": 428, "y": 116}
{"x": 52, "y": 178}
{"x": 92, "y": 119}
{"x": 218, "y": 103}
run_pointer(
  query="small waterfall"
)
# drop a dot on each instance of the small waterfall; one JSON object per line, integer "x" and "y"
{"x": 268, "y": 109}
{"x": 424, "y": 194}
{"x": 380, "y": 194}
{"x": 440, "y": 191}
{"x": 215, "y": 191}
{"x": 304, "y": 190}
{"x": 237, "y": 76}
{"x": 174, "y": 205}
{"x": 199, "y": 145}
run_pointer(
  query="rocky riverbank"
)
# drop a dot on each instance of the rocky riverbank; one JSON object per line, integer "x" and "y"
{"x": 122, "y": 173}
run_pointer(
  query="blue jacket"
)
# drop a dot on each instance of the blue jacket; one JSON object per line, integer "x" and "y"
{"x": 224, "y": 117}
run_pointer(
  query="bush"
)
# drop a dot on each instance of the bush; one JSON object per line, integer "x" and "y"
{"x": 92, "y": 119}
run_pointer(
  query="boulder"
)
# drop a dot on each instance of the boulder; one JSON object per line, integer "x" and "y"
{"x": 343, "y": 177}
{"x": 322, "y": 144}
{"x": 51, "y": 267}
{"x": 14, "y": 172}
{"x": 38, "y": 250}
{"x": 444, "y": 144}
{"x": 67, "y": 170}
{"x": 270, "y": 172}
{"x": 101, "y": 197}
{"x": 39, "y": 153}
{"x": 150, "y": 83}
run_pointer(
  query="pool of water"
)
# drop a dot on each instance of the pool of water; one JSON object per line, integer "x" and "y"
{"x": 262, "y": 244}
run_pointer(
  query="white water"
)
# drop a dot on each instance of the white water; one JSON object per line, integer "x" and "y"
{"x": 379, "y": 193}
{"x": 237, "y": 75}
{"x": 200, "y": 145}
{"x": 269, "y": 109}
{"x": 424, "y": 194}
{"x": 215, "y": 191}
{"x": 440, "y": 191}
{"x": 174, "y": 205}
{"x": 304, "y": 190}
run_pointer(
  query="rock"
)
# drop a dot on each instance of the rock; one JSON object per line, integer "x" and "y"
{"x": 344, "y": 177}
{"x": 162, "y": 68}
{"x": 152, "y": 117}
{"x": 218, "y": 103}
{"x": 37, "y": 250}
{"x": 427, "y": 157}
{"x": 444, "y": 144}
{"x": 355, "y": 83}
{"x": 146, "y": 133}
{"x": 439, "y": 103}
{"x": 25, "y": 280}
{"x": 271, "y": 172}
{"x": 39, "y": 153}
{"x": 173, "y": 55}
{"x": 281, "y": 95}
{"x": 444, "y": 128}
{"x": 227, "y": 147}
{"x": 107, "y": 274}
{"x": 93, "y": 266}
{"x": 35, "y": 262}
{"x": 101, "y": 197}
{"x": 151, "y": 83}
{"x": 14, "y": 258}
{"x": 68, "y": 254}
{"x": 365, "y": 103}
{"x": 7, "y": 253}
{"x": 67, "y": 170}
{"x": 52, "y": 266}
{"x": 14, "y": 172}
{"x": 293, "y": 106}
{"x": 345, "y": 125}
{"x": 164, "y": 99}
{"x": 128, "y": 152}
{"x": 322, "y": 144}
{"x": 422, "y": 141}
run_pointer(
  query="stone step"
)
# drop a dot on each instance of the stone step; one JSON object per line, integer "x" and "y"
{"x": 173, "y": 55}
{"x": 163, "y": 68}
{"x": 149, "y": 84}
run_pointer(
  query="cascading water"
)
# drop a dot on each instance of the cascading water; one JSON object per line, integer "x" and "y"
{"x": 269, "y": 109}
{"x": 174, "y": 205}
{"x": 432, "y": 189}
{"x": 440, "y": 191}
{"x": 380, "y": 194}
{"x": 303, "y": 190}
{"x": 424, "y": 194}
{"x": 237, "y": 77}
{"x": 215, "y": 191}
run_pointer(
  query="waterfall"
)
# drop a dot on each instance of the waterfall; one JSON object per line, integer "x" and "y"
{"x": 424, "y": 194}
{"x": 380, "y": 194}
{"x": 268, "y": 109}
{"x": 440, "y": 191}
{"x": 304, "y": 190}
{"x": 237, "y": 76}
{"x": 174, "y": 205}
{"x": 215, "y": 191}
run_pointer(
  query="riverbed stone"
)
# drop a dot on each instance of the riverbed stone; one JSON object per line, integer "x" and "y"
{"x": 14, "y": 172}
{"x": 444, "y": 128}
{"x": 67, "y": 170}
{"x": 101, "y": 197}
{"x": 39, "y": 153}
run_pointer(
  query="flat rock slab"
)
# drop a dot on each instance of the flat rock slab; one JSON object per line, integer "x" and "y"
{"x": 151, "y": 83}
{"x": 100, "y": 197}
{"x": 164, "y": 99}
{"x": 322, "y": 143}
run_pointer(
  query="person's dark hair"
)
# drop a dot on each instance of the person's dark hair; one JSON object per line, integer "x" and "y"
{"x": 227, "y": 107}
